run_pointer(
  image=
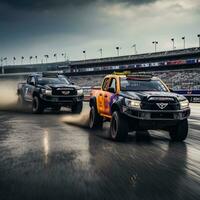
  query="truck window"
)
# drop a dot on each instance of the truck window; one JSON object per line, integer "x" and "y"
{"x": 29, "y": 79}
{"x": 105, "y": 85}
{"x": 33, "y": 80}
{"x": 128, "y": 84}
{"x": 113, "y": 84}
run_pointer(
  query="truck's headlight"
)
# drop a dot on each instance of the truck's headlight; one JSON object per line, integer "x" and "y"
{"x": 47, "y": 92}
{"x": 184, "y": 104}
{"x": 80, "y": 92}
{"x": 133, "y": 103}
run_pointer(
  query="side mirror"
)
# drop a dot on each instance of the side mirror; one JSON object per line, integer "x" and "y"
{"x": 72, "y": 83}
{"x": 171, "y": 90}
{"x": 111, "y": 90}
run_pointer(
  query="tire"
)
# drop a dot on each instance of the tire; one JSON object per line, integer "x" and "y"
{"x": 77, "y": 108}
{"x": 37, "y": 106}
{"x": 180, "y": 131}
{"x": 118, "y": 127}
{"x": 95, "y": 120}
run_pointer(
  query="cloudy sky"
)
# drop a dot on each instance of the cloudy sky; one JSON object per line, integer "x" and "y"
{"x": 39, "y": 27}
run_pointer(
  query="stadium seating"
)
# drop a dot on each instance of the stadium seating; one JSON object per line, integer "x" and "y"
{"x": 177, "y": 80}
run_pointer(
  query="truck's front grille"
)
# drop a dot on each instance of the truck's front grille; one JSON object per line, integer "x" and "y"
{"x": 154, "y": 106}
{"x": 63, "y": 91}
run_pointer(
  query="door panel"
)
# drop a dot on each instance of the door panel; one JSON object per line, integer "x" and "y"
{"x": 28, "y": 92}
{"x": 107, "y": 100}
{"x": 108, "y": 97}
{"x": 29, "y": 88}
{"x": 100, "y": 102}
{"x": 102, "y": 95}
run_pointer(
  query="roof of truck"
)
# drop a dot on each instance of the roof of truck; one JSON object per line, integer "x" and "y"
{"x": 137, "y": 76}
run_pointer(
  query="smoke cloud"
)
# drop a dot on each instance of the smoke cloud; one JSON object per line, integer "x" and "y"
{"x": 8, "y": 95}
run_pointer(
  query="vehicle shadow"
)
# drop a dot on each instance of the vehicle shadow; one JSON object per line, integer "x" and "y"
{"x": 133, "y": 137}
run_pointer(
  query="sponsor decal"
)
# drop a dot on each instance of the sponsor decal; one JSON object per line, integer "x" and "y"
{"x": 65, "y": 92}
{"x": 162, "y": 105}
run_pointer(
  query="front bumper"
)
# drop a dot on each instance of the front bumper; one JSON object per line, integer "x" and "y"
{"x": 61, "y": 100}
{"x": 156, "y": 115}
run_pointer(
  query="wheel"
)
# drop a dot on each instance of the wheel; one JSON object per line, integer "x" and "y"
{"x": 77, "y": 108}
{"x": 95, "y": 120}
{"x": 37, "y": 106}
{"x": 56, "y": 108}
{"x": 180, "y": 131}
{"x": 118, "y": 127}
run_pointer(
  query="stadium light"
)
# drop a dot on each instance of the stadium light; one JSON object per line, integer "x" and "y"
{"x": 2, "y": 67}
{"x": 183, "y": 38}
{"x": 173, "y": 47}
{"x": 1, "y": 61}
{"x": 55, "y": 56}
{"x": 64, "y": 56}
{"x": 155, "y": 45}
{"x": 84, "y": 53}
{"x": 101, "y": 52}
{"x": 14, "y": 59}
{"x": 135, "y": 49}
{"x": 30, "y": 58}
{"x": 6, "y": 61}
{"x": 46, "y": 56}
{"x": 199, "y": 39}
{"x": 36, "y": 59}
{"x": 22, "y": 58}
{"x": 118, "y": 49}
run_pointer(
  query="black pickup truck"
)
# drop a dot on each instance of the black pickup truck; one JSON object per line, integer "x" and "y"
{"x": 138, "y": 102}
{"x": 50, "y": 91}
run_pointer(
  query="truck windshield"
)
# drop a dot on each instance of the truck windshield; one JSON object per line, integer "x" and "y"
{"x": 46, "y": 81}
{"x": 142, "y": 85}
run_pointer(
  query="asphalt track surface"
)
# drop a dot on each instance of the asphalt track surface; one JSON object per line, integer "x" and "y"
{"x": 43, "y": 157}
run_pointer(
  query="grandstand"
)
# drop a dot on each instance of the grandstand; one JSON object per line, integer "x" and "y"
{"x": 10, "y": 69}
{"x": 176, "y": 59}
{"x": 177, "y": 80}
{"x": 179, "y": 69}
{"x": 181, "y": 80}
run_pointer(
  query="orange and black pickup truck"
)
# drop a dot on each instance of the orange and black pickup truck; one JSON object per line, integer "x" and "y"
{"x": 134, "y": 102}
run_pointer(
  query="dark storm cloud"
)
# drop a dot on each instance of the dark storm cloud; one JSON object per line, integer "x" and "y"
{"x": 23, "y": 22}
{"x": 52, "y": 4}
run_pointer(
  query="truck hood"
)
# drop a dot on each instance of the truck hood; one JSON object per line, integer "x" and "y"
{"x": 53, "y": 86}
{"x": 146, "y": 94}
